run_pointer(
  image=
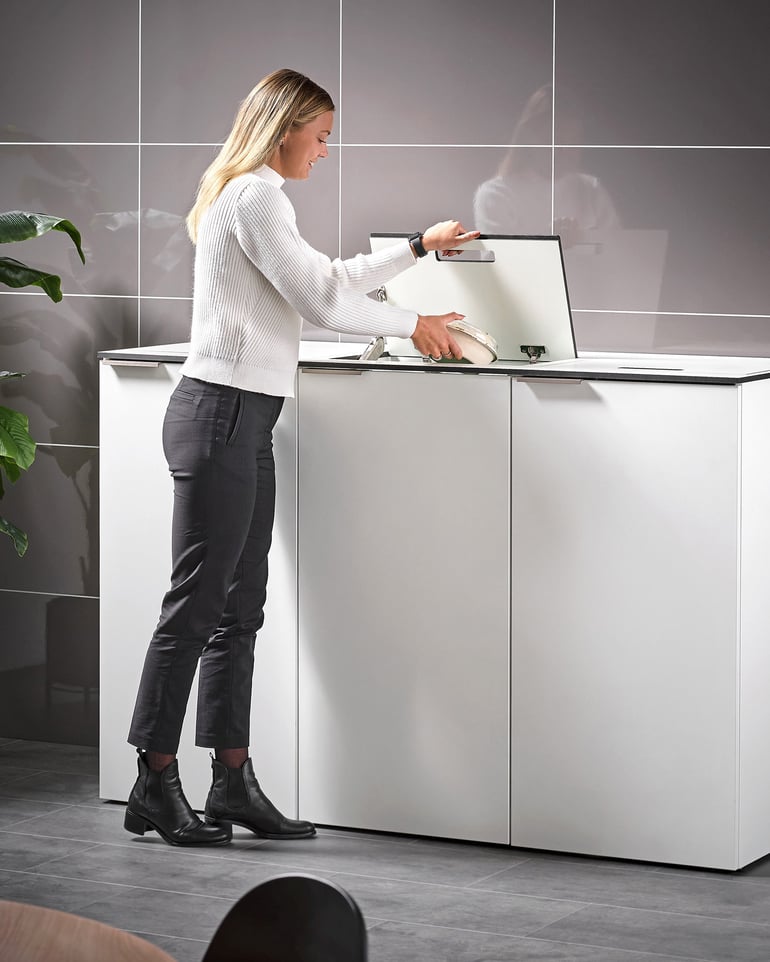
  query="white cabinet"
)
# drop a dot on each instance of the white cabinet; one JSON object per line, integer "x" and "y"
{"x": 517, "y": 610}
{"x": 135, "y": 511}
{"x": 403, "y": 598}
{"x": 640, "y": 655}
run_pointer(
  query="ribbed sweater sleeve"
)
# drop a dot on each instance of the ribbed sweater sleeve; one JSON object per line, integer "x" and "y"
{"x": 326, "y": 293}
{"x": 256, "y": 278}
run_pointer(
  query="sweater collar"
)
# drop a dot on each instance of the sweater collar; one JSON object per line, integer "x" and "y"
{"x": 270, "y": 175}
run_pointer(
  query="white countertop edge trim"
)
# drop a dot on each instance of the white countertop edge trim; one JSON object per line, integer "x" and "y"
{"x": 593, "y": 362}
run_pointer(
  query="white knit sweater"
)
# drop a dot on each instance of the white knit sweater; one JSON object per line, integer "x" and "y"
{"x": 256, "y": 278}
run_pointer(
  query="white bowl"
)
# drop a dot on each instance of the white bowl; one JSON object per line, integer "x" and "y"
{"x": 477, "y": 346}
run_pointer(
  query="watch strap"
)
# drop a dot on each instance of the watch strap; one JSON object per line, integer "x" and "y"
{"x": 417, "y": 245}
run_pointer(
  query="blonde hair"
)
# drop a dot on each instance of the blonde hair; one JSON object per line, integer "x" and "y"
{"x": 280, "y": 101}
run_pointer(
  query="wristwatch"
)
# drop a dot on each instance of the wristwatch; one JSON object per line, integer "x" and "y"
{"x": 416, "y": 241}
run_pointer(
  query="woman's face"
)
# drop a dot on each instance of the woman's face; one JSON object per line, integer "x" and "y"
{"x": 302, "y": 147}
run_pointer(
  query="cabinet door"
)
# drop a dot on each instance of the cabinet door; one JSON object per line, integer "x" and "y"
{"x": 135, "y": 536}
{"x": 403, "y": 596}
{"x": 625, "y": 594}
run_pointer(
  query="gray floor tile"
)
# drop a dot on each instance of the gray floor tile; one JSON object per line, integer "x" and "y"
{"x": 49, "y": 756}
{"x": 12, "y": 780}
{"x": 394, "y": 942}
{"x": 10, "y": 770}
{"x": 53, "y": 786}
{"x": 420, "y": 841}
{"x": 97, "y": 823}
{"x": 453, "y": 907}
{"x": 758, "y": 871}
{"x": 242, "y": 845}
{"x": 24, "y": 852}
{"x": 182, "y": 950}
{"x": 423, "y": 900}
{"x": 587, "y": 861}
{"x": 15, "y": 810}
{"x": 167, "y": 914}
{"x": 53, "y": 893}
{"x": 451, "y": 864}
{"x": 168, "y": 869}
{"x": 715, "y": 940}
{"x": 612, "y": 884}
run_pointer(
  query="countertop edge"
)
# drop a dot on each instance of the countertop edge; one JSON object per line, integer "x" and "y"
{"x": 530, "y": 372}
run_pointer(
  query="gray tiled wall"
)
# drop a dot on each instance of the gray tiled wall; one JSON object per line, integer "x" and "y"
{"x": 651, "y": 160}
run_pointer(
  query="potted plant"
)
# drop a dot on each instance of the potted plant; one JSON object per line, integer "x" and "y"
{"x": 17, "y": 448}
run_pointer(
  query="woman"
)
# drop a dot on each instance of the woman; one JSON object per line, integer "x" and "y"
{"x": 255, "y": 278}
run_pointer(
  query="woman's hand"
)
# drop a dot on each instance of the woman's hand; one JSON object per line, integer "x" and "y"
{"x": 446, "y": 235}
{"x": 432, "y": 339}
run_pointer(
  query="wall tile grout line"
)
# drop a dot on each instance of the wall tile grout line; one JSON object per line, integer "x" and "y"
{"x": 440, "y": 145}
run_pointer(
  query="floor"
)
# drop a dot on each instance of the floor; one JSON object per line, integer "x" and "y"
{"x": 61, "y": 847}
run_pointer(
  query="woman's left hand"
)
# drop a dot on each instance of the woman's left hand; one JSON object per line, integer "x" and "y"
{"x": 446, "y": 235}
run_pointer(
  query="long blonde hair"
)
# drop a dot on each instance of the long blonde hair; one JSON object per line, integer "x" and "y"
{"x": 280, "y": 101}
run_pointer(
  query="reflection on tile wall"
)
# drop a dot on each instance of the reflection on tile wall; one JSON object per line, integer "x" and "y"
{"x": 519, "y": 116}
{"x": 56, "y": 503}
{"x": 55, "y": 345}
{"x": 94, "y": 186}
{"x": 49, "y": 667}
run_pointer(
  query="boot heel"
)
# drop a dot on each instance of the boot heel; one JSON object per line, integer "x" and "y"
{"x": 133, "y": 823}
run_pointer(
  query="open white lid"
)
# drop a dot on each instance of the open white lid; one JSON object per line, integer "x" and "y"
{"x": 512, "y": 287}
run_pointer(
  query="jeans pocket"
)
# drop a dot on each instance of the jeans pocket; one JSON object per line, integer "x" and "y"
{"x": 235, "y": 419}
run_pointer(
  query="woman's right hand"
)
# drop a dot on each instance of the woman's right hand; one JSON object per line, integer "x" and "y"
{"x": 432, "y": 338}
{"x": 448, "y": 234}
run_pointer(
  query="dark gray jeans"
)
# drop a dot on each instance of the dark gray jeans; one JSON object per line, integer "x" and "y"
{"x": 218, "y": 442}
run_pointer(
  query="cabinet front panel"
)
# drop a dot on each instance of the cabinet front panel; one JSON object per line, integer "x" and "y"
{"x": 403, "y": 594}
{"x": 624, "y": 619}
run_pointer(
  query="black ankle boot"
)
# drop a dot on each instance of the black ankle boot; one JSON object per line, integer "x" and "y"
{"x": 236, "y": 799}
{"x": 157, "y": 801}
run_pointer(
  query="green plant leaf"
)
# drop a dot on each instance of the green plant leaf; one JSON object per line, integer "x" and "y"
{"x": 15, "y": 441}
{"x": 19, "y": 537}
{"x": 15, "y": 274}
{"x": 17, "y": 448}
{"x": 12, "y": 469}
{"x": 19, "y": 225}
